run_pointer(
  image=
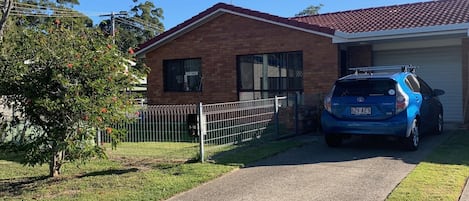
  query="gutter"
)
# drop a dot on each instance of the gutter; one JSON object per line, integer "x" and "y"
{"x": 344, "y": 37}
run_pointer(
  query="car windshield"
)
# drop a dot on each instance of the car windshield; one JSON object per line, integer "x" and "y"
{"x": 365, "y": 87}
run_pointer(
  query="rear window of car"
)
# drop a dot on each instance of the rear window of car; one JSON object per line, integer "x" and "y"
{"x": 365, "y": 87}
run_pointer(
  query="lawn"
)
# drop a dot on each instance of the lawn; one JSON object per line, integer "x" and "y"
{"x": 441, "y": 176}
{"x": 135, "y": 171}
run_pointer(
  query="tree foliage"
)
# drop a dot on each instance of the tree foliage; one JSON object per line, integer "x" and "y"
{"x": 39, "y": 12}
{"x": 5, "y": 13}
{"x": 310, "y": 10}
{"x": 65, "y": 85}
{"x": 142, "y": 24}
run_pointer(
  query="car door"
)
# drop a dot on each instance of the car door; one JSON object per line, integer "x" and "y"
{"x": 429, "y": 109}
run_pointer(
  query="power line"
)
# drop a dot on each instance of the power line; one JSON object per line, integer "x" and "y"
{"x": 140, "y": 25}
{"x": 22, "y": 9}
{"x": 113, "y": 22}
{"x": 147, "y": 24}
{"x": 31, "y": 10}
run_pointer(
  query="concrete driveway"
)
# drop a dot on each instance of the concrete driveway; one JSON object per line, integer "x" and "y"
{"x": 362, "y": 169}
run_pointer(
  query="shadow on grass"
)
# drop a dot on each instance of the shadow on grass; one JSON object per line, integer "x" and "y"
{"x": 454, "y": 151}
{"x": 11, "y": 156}
{"x": 109, "y": 172}
{"x": 16, "y": 186}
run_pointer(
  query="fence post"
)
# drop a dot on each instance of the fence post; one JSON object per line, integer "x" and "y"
{"x": 277, "y": 126}
{"x": 98, "y": 137}
{"x": 199, "y": 130}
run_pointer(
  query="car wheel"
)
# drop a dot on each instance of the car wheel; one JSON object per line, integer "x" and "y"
{"x": 412, "y": 142}
{"x": 439, "y": 126}
{"x": 333, "y": 140}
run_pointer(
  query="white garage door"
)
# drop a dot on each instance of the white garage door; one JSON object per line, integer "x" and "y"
{"x": 439, "y": 67}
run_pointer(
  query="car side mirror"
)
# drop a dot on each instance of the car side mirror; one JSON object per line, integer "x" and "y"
{"x": 438, "y": 92}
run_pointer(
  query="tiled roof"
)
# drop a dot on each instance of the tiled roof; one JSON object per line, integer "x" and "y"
{"x": 415, "y": 15}
{"x": 234, "y": 9}
{"x": 424, "y": 14}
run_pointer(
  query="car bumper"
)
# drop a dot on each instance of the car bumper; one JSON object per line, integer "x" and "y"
{"x": 395, "y": 126}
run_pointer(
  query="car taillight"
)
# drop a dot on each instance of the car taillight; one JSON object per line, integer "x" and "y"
{"x": 402, "y": 100}
{"x": 327, "y": 104}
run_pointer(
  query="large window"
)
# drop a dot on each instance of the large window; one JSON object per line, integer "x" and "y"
{"x": 182, "y": 75}
{"x": 269, "y": 75}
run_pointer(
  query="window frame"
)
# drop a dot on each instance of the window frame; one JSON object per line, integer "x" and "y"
{"x": 412, "y": 82}
{"x": 287, "y": 82}
{"x": 183, "y": 73}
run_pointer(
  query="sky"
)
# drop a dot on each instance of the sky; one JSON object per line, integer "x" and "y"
{"x": 177, "y": 11}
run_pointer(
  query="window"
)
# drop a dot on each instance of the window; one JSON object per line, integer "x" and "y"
{"x": 182, "y": 75}
{"x": 412, "y": 83}
{"x": 424, "y": 88}
{"x": 269, "y": 75}
{"x": 370, "y": 87}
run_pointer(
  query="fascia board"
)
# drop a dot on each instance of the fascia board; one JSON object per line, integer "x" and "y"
{"x": 343, "y": 37}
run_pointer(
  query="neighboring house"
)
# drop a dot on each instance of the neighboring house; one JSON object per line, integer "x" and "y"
{"x": 140, "y": 86}
{"x": 228, "y": 53}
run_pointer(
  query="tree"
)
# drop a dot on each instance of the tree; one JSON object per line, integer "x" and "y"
{"x": 310, "y": 10}
{"x": 142, "y": 24}
{"x": 6, "y": 9}
{"x": 26, "y": 13}
{"x": 66, "y": 84}
{"x": 38, "y": 12}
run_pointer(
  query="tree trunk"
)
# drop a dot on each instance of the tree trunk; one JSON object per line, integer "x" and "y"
{"x": 56, "y": 164}
{"x": 5, "y": 13}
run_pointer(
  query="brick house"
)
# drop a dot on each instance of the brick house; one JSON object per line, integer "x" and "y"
{"x": 228, "y": 53}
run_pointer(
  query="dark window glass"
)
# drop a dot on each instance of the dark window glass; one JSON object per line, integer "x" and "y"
{"x": 270, "y": 74}
{"x": 424, "y": 88}
{"x": 375, "y": 87}
{"x": 182, "y": 75}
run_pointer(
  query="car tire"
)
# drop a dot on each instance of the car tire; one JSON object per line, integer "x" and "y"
{"x": 412, "y": 142}
{"x": 333, "y": 140}
{"x": 439, "y": 125}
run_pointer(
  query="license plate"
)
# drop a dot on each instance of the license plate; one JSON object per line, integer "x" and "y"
{"x": 360, "y": 110}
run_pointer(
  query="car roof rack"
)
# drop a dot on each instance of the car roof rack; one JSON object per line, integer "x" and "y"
{"x": 372, "y": 69}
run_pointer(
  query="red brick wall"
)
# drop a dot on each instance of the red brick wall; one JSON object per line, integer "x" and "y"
{"x": 220, "y": 40}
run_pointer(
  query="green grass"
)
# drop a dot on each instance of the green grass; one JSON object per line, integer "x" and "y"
{"x": 441, "y": 176}
{"x": 135, "y": 171}
{"x": 165, "y": 151}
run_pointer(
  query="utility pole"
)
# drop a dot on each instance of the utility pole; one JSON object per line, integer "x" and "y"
{"x": 113, "y": 22}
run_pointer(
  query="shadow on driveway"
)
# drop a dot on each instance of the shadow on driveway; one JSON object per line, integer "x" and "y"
{"x": 356, "y": 148}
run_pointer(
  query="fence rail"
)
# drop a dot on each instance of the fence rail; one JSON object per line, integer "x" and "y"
{"x": 158, "y": 123}
{"x": 235, "y": 122}
{"x": 224, "y": 123}
{"x": 210, "y": 124}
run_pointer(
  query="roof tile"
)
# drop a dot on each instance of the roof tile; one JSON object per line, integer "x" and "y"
{"x": 430, "y": 13}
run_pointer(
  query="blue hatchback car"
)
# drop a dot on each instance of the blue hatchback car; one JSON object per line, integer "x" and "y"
{"x": 382, "y": 100}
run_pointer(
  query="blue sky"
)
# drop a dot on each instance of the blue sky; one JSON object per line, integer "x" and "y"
{"x": 177, "y": 11}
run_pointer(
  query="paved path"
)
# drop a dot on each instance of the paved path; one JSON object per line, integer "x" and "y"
{"x": 465, "y": 193}
{"x": 363, "y": 169}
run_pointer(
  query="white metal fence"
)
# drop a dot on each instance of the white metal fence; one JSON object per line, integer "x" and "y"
{"x": 240, "y": 121}
{"x": 158, "y": 123}
{"x": 210, "y": 124}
